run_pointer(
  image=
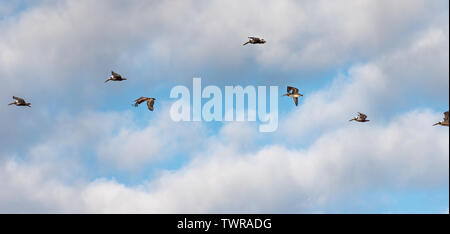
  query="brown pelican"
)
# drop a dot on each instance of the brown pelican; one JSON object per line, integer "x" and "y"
{"x": 20, "y": 102}
{"x": 445, "y": 122}
{"x": 293, "y": 93}
{"x": 150, "y": 102}
{"x": 361, "y": 118}
{"x": 115, "y": 77}
{"x": 255, "y": 40}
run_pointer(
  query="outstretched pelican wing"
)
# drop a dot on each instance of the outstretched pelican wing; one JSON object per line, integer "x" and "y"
{"x": 296, "y": 101}
{"x": 150, "y": 104}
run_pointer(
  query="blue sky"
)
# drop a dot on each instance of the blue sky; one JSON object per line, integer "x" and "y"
{"x": 83, "y": 148}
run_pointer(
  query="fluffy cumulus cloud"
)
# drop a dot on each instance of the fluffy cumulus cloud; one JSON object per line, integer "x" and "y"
{"x": 272, "y": 179}
{"x": 79, "y": 146}
{"x": 416, "y": 72}
{"x": 134, "y": 147}
{"x": 58, "y": 40}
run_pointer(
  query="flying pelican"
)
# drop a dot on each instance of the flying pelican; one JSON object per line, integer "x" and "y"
{"x": 293, "y": 93}
{"x": 255, "y": 40}
{"x": 150, "y": 102}
{"x": 20, "y": 102}
{"x": 115, "y": 77}
{"x": 361, "y": 118}
{"x": 445, "y": 122}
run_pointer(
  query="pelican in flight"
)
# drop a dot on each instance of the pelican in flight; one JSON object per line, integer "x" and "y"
{"x": 445, "y": 122}
{"x": 115, "y": 77}
{"x": 361, "y": 118}
{"x": 20, "y": 102}
{"x": 150, "y": 102}
{"x": 255, "y": 40}
{"x": 293, "y": 93}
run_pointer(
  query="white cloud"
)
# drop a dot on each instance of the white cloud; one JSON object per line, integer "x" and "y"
{"x": 229, "y": 171}
{"x": 55, "y": 42}
{"x": 379, "y": 88}
{"x": 160, "y": 139}
{"x": 274, "y": 179}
